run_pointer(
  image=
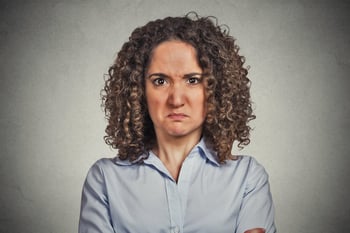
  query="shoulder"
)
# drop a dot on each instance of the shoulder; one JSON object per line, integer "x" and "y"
{"x": 105, "y": 168}
{"x": 102, "y": 165}
{"x": 245, "y": 162}
{"x": 113, "y": 170}
{"x": 251, "y": 163}
{"x": 255, "y": 173}
{"x": 247, "y": 167}
{"x": 98, "y": 169}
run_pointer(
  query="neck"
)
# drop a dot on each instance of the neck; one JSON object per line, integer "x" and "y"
{"x": 173, "y": 151}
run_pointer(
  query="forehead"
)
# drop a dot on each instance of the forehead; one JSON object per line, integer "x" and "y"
{"x": 174, "y": 57}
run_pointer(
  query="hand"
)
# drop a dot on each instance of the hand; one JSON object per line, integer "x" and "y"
{"x": 256, "y": 230}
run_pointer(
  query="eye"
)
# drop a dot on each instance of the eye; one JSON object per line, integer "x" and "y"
{"x": 194, "y": 80}
{"x": 159, "y": 81}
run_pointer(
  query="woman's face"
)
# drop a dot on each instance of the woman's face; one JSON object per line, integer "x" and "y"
{"x": 175, "y": 91}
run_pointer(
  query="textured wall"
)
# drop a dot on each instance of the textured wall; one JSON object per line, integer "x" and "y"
{"x": 53, "y": 55}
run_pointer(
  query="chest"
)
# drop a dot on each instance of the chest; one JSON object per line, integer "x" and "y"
{"x": 202, "y": 201}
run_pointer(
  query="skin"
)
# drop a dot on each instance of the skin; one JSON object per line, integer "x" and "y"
{"x": 255, "y": 230}
{"x": 175, "y": 95}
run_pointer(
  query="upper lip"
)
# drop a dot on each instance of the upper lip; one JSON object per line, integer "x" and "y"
{"x": 177, "y": 114}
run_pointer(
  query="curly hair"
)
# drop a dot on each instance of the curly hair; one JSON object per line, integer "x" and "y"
{"x": 130, "y": 129}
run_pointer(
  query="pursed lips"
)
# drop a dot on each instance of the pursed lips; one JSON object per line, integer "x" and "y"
{"x": 177, "y": 116}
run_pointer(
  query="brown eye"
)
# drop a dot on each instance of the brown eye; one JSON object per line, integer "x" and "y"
{"x": 194, "y": 80}
{"x": 159, "y": 81}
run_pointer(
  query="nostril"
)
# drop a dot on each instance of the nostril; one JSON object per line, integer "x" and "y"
{"x": 176, "y": 97}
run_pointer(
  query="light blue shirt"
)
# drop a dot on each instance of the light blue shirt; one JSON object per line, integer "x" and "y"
{"x": 124, "y": 197}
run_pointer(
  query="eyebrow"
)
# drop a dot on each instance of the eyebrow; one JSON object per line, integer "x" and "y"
{"x": 157, "y": 74}
{"x": 192, "y": 74}
{"x": 185, "y": 76}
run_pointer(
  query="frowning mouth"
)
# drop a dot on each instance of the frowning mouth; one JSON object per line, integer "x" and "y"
{"x": 177, "y": 116}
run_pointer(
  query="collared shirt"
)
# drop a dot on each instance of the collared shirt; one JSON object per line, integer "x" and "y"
{"x": 125, "y": 197}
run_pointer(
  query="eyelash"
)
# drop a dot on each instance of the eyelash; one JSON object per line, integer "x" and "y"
{"x": 190, "y": 80}
{"x": 197, "y": 80}
{"x": 157, "y": 80}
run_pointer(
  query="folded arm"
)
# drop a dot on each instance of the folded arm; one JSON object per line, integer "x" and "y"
{"x": 256, "y": 230}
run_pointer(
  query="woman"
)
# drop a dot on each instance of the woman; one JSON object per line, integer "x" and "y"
{"x": 176, "y": 99}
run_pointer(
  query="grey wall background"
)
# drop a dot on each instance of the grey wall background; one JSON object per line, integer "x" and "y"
{"x": 52, "y": 61}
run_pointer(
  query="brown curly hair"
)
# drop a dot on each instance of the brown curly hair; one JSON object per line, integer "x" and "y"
{"x": 130, "y": 129}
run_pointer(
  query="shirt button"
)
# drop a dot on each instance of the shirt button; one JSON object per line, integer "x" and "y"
{"x": 175, "y": 230}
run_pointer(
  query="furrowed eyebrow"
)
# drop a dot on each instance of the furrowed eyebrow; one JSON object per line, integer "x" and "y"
{"x": 157, "y": 75}
{"x": 190, "y": 75}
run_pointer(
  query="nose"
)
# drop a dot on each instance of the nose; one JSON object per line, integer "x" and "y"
{"x": 176, "y": 95}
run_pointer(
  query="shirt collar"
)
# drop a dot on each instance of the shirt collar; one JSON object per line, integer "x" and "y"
{"x": 119, "y": 161}
{"x": 207, "y": 152}
{"x": 148, "y": 157}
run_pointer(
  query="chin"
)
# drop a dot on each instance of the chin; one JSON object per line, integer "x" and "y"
{"x": 177, "y": 134}
{"x": 181, "y": 133}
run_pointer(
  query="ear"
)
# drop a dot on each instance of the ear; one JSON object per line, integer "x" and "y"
{"x": 256, "y": 230}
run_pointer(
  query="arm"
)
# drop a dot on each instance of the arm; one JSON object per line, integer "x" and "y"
{"x": 94, "y": 212}
{"x": 257, "y": 211}
{"x": 256, "y": 230}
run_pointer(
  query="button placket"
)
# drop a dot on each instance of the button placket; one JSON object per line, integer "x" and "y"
{"x": 175, "y": 229}
{"x": 174, "y": 205}
{"x": 177, "y": 193}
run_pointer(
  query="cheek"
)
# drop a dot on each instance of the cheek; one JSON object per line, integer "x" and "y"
{"x": 149, "y": 96}
{"x": 203, "y": 103}
{"x": 199, "y": 99}
{"x": 154, "y": 103}
{"x": 198, "y": 104}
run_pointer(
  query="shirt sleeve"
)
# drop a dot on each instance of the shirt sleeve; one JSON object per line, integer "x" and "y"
{"x": 257, "y": 210}
{"x": 94, "y": 212}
